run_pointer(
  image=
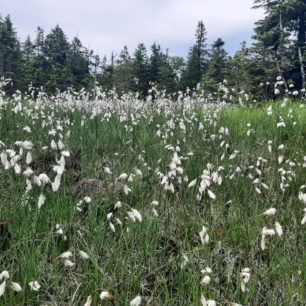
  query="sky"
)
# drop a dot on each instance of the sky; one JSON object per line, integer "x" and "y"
{"x": 108, "y": 25}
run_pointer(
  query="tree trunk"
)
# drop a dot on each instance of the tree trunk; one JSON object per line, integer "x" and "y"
{"x": 302, "y": 28}
{"x": 281, "y": 73}
{"x": 302, "y": 67}
{"x": 301, "y": 44}
{"x": 279, "y": 54}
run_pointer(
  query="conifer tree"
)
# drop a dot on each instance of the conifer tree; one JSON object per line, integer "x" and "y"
{"x": 124, "y": 74}
{"x": 283, "y": 32}
{"x": 197, "y": 59}
{"x": 217, "y": 65}
{"x": 27, "y": 63}
{"x": 40, "y": 65}
{"x": 78, "y": 64}
{"x": 10, "y": 54}
{"x": 56, "y": 49}
{"x": 141, "y": 70}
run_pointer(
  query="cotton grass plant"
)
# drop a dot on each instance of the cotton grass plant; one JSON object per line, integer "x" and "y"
{"x": 189, "y": 201}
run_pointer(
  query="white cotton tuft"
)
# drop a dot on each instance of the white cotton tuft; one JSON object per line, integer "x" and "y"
{"x": 66, "y": 255}
{"x": 43, "y": 179}
{"x": 137, "y": 214}
{"x": 68, "y": 263}
{"x": 204, "y": 237}
{"x": 205, "y": 280}
{"x": 2, "y": 288}
{"x": 29, "y": 158}
{"x": 4, "y": 275}
{"x": 122, "y": 176}
{"x": 278, "y": 229}
{"x": 27, "y": 145}
{"x": 41, "y": 200}
{"x": 192, "y": 183}
{"x": 112, "y": 227}
{"x": 136, "y": 301}
{"x": 53, "y": 145}
{"x": 88, "y": 301}
{"x": 304, "y": 218}
{"x": 211, "y": 194}
{"x": 83, "y": 255}
{"x": 35, "y": 286}
{"x": 270, "y": 212}
{"x": 15, "y": 287}
{"x": 104, "y": 295}
{"x": 107, "y": 170}
{"x": 57, "y": 182}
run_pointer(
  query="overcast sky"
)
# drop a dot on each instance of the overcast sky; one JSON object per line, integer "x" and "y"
{"x": 104, "y": 25}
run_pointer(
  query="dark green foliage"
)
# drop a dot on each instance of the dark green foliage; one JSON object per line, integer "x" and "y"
{"x": 77, "y": 63}
{"x": 217, "y": 66}
{"x": 27, "y": 63}
{"x": 10, "y": 56}
{"x": 283, "y": 33}
{"x": 141, "y": 69}
{"x": 160, "y": 69}
{"x": 52, "y": 63}
{"x": 197, "y": 61}
{"x": 124, "y": 73}
{"x": 106, "y": 77}
{"x": 39, "y": 62}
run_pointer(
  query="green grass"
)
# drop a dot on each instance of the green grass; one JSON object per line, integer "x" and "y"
{"x": 145, "y": 258}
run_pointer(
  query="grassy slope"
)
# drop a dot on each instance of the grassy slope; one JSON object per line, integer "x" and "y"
{"x": 147, "y": 259}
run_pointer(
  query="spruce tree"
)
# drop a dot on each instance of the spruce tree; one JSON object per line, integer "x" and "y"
{"x": 141, "y": 70}
{"x": 10, "y": 54}
{"x": 124, "y": 74}
{"x": 217, "y": 65}
{"x": 27, "y": 63}
{"x": 283, "y": 32}
{"x": 107, "y": 76}
{"x": 197, "y": 59}
{"x": 156, "y": 62}
{"x": 77, "y": 64}
{"x": 160, "y": 69}
{"x": 40, "y": 64}
{"x": 56, "y": 50}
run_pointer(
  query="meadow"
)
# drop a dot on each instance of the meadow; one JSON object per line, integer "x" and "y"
{"x": 120, "y": 201}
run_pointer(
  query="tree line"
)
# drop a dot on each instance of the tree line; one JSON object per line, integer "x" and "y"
{"x": 51, "y": 62}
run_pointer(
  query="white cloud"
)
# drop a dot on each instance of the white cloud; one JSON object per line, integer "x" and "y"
{"x": 108, "y": 25}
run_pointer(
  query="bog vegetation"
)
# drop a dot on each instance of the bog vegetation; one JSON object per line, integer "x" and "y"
{"x": 121, "y": 201}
